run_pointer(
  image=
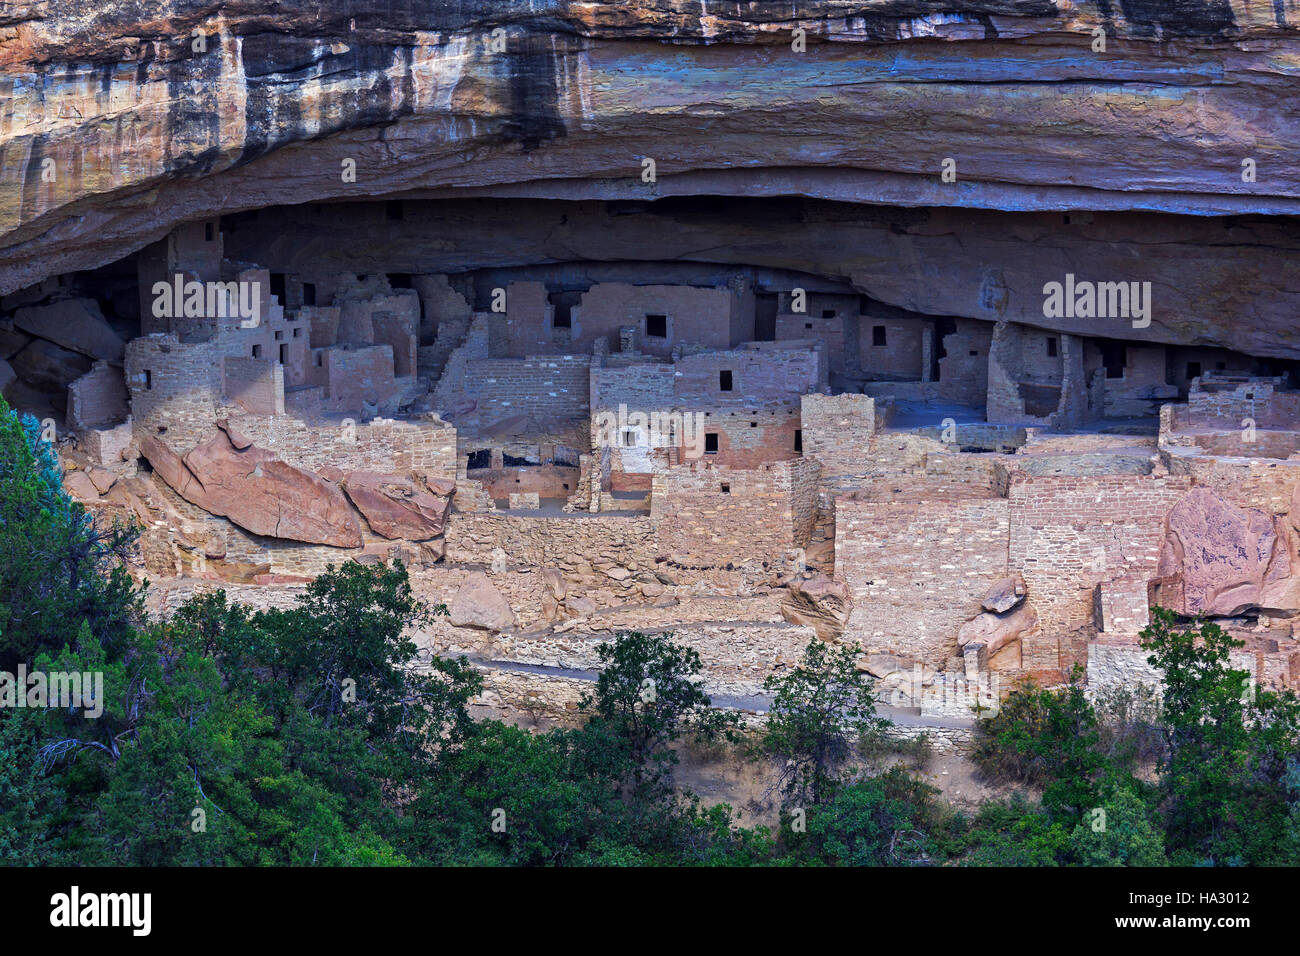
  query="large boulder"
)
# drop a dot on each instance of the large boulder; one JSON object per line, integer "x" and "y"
{"x": 996, "y": 631}
{"x": 48, "y": 367}
{"x": 257, "y": 491}
{"x": 396, "y": 507}
{"x": 820, "y": 602}
{"x": 79, "y": 486}
{"x": 1004, "y": 594}
{"x": 12, "y": 341}
{"x": 75, "y": 324}
{"x": 1221, "y": 560}
{"x": 479, "y": 604}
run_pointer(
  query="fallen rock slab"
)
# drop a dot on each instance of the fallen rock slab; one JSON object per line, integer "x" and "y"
{"x": 1005, "y": 594}
{"x": 49, "y": 367}
{"x": 995, "y": 631}
{"x": 257, "y": 491}
{"x": 396, "y": 507}
{"x": 75, "y": 324}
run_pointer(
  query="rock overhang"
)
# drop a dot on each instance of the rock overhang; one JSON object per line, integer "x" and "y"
{"x": 143, "y": 131}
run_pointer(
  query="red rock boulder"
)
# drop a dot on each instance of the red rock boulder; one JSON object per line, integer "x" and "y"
{"x": 1219, "y": 559}
{"x": 396, "y": 507}
{"x": 256, "y": 491}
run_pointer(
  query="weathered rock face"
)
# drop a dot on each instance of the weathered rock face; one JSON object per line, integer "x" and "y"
{"x": 74, "y": 324}
{"x": 124, "y": 121}
{"x": 479, "y": 604}
{"x": 256, "y": 490}
{"x": 1004, "y": 595}
{"x": 996, "y": 631}
{"x": 820, "y": 602}
{"x": 395, "y": 507}
{"x": 1219, "y": 559}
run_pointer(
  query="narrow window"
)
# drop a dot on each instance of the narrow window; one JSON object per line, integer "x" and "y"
{"x": 309, "y": 293}
{"x": 877, "y": 335}
{"x": 798, "y": 440}
{"x": 284, "y": 354}
{"x": 724, "y": 380}
{"x": 208, "y": 232}
{"x": 148, "y": 380}
{"x": 710, "y": 443}
{"x": 1051, "y": 346}
{"x": 1114, "y": 355}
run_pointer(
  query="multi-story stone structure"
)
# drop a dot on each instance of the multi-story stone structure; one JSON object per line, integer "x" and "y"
{"x": 735, "y": 457}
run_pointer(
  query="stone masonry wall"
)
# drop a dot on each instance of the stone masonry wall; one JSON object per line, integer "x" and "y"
{"x": 714, "y": 515}
{"x": 918, "y": 569}
{"x": 838, "y": 430}
{"x": 1069, "y": 534}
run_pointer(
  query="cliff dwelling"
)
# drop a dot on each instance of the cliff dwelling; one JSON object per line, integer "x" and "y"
{"x": 583, "y": 355}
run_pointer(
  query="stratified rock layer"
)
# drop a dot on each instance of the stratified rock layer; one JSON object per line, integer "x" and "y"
{"x": 820, "y": 602}
{"x": 120, "y": 123}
